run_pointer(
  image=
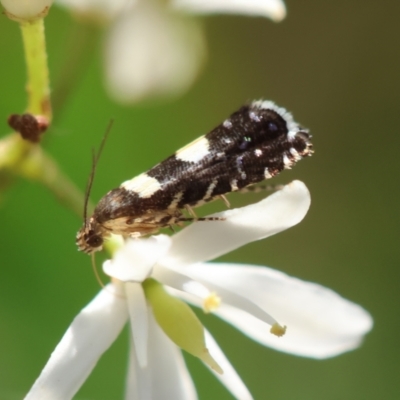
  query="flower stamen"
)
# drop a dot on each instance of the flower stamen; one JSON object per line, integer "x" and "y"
{"x": 211, "y": 302}
{"x": 278, "y": 330}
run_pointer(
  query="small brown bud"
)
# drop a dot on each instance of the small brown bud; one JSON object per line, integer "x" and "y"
{"x": 29, "y": 126}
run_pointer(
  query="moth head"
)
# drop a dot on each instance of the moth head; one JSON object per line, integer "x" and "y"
{"x": 302, "y": 141}
{"x": 89, "y": 239}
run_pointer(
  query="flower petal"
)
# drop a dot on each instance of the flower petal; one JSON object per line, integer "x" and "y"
{"x": 166, "y": 376}
{"x": 230, "y": 379}
{"x": 204, "y": 241}
{"x": 197, "y": 291}
{"x": 138, "y": 319}
{"x": 81, "y": 346}
{"x": 320, "y": 323}
{"x": 274, "y": 9}
{"x": 134, "y": 261}
{"x": 152, "y": 52}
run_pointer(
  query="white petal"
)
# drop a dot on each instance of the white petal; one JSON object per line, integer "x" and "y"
{"x": 135, "y": 260}
{"x": 274, "y": 9}
{"x": 196, "y": 291}
{"x": 152, "y": 53}
{"x": 181, "y": 282}
{"x": 102, "y": 10}
{"x": 320, "y": 323}
{"x": 204, "y": 241}
{"x": 166, "y": 376}
{"x": 138, "y": 320}
{"x": 230, "y": 379}
{"x": 91, "y": 333}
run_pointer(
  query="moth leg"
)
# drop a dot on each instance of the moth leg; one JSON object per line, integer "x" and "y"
{"x": 211, "y": 219}
{"x": 190, "y": 211}
{"x": 200, "y": 219}
{"x": 260, "y": 188}
{"x": 225, "y": 200}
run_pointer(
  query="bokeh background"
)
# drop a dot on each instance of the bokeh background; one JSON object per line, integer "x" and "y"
{"x": 336, "y": 66}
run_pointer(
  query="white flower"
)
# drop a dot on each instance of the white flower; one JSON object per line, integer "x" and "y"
{"x": 152, "y": 49}
{"x": 26, "y": 10}
{"x": 319, "y": 322}
{"x": 98, "y": 10}
{"x": 274, "y": 9}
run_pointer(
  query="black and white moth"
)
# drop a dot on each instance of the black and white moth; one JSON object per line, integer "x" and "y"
{"x": 255, "y": 143}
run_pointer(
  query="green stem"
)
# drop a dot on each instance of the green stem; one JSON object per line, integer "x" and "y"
{"x": 32, "y": 162}
{"x": 38, "y": 86}
{"x": 19, "y": 157}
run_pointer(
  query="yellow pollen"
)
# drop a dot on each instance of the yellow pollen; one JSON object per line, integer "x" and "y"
{"x": 278, "y": 330}
{"x": 211, "y": 302}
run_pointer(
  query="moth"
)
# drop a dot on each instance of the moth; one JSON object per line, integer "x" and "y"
{"x": 255, "y": 143}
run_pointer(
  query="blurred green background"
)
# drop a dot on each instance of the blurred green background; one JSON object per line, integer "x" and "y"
{"x": 336, "y": 66}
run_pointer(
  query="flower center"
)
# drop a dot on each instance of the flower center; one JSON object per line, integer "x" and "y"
{"x": 211, "y": 302}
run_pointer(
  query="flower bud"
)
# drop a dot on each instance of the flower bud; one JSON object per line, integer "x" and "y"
{"x": 26, "y": 10}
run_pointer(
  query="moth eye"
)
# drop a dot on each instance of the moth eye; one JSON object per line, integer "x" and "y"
{"x": 94, "y": 241}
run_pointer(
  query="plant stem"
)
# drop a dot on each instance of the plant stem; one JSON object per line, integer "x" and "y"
{"x": 38, "y": 87}
{"x": 32, "y": 162}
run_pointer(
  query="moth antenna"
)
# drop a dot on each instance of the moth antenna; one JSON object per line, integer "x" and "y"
{"x": 98, "y": 279}
{"x": 96, "y": 273}
{"x": 88, "y": 188}
{"x": 95, "y": 159}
